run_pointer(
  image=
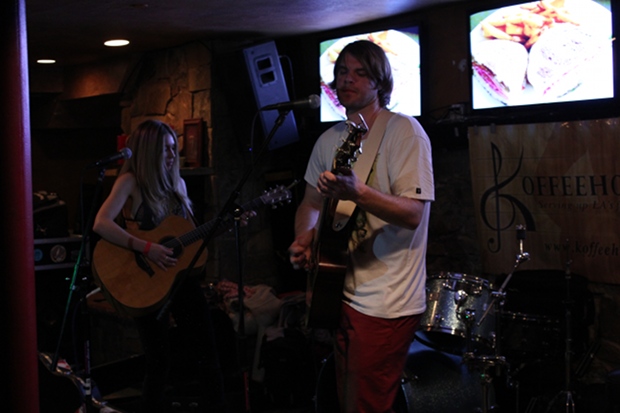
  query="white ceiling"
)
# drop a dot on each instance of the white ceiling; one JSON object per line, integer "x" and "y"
{"x": 73, "y": 31}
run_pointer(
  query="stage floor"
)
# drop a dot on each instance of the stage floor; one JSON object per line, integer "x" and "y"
{"x": 435, "y": 382}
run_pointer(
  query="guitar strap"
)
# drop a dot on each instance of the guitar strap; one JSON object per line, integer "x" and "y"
{"x": 362, "y": 167}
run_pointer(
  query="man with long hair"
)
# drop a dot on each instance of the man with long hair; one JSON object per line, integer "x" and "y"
{"x": 384, "y": 287}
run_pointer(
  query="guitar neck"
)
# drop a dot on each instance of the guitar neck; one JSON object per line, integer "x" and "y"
{"x": 326, "y": 216}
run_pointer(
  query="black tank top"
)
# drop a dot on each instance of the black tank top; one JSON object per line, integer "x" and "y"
{"x": 146, "y": 219}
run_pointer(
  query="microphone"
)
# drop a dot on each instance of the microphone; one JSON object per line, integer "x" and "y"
{"x": 312, "y": 102}
{"x": 124, "y": 153}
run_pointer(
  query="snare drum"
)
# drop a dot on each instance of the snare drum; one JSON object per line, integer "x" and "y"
{"x": 454, "y": 301}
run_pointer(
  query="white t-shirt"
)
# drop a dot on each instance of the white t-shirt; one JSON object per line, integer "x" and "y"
{"x": 386, "y": 274}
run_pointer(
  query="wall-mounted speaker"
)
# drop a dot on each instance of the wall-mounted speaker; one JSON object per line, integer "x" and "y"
{"x": 269, "y": 85}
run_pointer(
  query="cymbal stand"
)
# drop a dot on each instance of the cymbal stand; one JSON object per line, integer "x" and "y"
{"x": 522, "y": 256}
{"x": 569, "y": 402}
{"x": 497, "y": 360}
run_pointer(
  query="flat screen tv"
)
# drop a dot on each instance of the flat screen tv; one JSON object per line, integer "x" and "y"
{"x": 545, "y": 57}
{"x": 402, "y": 47}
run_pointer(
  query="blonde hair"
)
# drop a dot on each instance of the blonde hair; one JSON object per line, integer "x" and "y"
{"x": 156, "y": 182}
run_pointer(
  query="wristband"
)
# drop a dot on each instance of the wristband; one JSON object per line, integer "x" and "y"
{"x": 147, "y": 248}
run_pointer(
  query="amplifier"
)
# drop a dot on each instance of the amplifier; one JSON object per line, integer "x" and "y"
{"x": 52, "y": 253}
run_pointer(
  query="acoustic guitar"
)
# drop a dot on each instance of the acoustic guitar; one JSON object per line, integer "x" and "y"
{"x": 136, "y": 283}
{"x": 330, "y": 248}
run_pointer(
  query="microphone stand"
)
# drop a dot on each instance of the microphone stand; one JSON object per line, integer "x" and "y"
{"x": 241, "y": 336}
{"x": 85, "y": 379}
{"x": 230, "y": 207}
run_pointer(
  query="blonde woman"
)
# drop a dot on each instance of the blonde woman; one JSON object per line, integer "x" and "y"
{"x": 148, "y": 190}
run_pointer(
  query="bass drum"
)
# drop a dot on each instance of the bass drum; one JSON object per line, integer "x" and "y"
{"x": 433, "y": 382}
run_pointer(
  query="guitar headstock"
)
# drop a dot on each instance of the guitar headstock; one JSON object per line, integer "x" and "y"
{"x": 351, "y": 147}
{"x": 277, "y": 196}
{"x": 359, "y": 128}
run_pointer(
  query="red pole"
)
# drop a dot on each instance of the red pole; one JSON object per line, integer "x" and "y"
{"x": 20, "y": 357}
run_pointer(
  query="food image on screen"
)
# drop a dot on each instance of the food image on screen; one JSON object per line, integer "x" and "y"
{"x": 542, "y": 52}
{"x": 403, "y": 52}
{"x": 501, "y": 65}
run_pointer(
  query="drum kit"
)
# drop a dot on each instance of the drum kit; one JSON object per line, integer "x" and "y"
{"x": 462, "y": 318}
{"x": 468, "y": 318}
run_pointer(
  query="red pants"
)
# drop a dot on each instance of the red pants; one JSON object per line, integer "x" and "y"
{"x": 370, "y": 355}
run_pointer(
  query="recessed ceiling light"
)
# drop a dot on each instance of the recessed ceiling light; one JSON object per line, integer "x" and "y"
{"x": 116, "y": 43}
{"x": 46, "y": 61}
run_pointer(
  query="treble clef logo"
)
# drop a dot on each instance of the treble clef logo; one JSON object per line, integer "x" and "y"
{"x": 504, "y": 217}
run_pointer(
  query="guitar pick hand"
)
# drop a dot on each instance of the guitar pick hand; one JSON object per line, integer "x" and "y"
{"x": 300, "y": 251}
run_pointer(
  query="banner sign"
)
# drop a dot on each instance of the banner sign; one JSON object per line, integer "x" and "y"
{"x": 561, "y": 181}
